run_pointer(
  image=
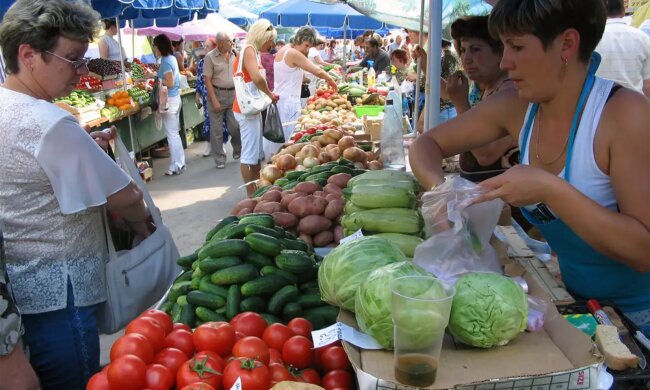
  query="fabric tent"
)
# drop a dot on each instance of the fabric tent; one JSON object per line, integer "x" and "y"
{"x": 237, "y": 15}
{"x": 298, "y": 13}
{"x": 195, "y": 30}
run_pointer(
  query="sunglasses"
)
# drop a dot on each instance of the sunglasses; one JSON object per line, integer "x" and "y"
{"x": 76, "y": 64}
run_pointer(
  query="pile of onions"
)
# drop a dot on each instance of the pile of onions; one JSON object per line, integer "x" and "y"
{"x": 271, "y": 173}
{"x": 286, "y": 162}
{"x": 310, "y": 162}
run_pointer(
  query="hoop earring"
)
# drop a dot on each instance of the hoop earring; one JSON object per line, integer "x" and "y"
{"x": 566, "y": 61}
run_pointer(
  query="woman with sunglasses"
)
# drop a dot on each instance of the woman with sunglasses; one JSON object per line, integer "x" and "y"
{"x": 56, "y": 183}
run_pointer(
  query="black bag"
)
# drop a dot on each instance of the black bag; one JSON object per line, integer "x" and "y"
{"x": 155, "y": 94}
{"x": 273, "y": 125}
{"x": 304, "y": 91}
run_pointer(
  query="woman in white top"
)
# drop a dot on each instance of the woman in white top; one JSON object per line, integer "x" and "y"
{"x": 290, "y": 61}
{"x": 109, "y": 48}
{"x": 315, "y": 55}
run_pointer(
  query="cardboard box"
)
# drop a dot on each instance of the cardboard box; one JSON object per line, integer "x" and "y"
{"x": 372, "y": 126}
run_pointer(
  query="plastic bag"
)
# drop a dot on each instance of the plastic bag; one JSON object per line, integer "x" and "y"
{"x": 273, "y": 125}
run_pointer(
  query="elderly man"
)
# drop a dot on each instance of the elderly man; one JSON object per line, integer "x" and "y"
{"x": 381, "y": 60}
{"x": 395, "y": 45}
{"x": 218, "y": 77}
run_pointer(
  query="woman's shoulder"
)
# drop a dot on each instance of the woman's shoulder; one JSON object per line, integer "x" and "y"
{"x": 626, "y": 112}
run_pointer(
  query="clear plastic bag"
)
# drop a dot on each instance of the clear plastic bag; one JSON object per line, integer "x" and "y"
{"x": 273, "y": 125}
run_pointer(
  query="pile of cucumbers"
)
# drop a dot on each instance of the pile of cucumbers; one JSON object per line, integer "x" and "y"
{"x": 249, "y": 264}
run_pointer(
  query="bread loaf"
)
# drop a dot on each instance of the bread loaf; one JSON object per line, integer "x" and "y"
{"x": 617, "y": 355}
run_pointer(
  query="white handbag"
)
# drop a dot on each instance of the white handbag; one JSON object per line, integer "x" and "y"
{"x": 250, "y": 99}
{"x": 137, "y": 278}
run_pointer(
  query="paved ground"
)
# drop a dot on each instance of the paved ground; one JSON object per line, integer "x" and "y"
{"x": 191, "y": 203}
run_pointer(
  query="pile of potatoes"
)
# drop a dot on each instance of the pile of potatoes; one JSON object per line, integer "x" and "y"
{"x": 309, "y": 211}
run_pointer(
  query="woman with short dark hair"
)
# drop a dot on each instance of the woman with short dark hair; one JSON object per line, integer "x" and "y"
{"x": 109, "y": 48}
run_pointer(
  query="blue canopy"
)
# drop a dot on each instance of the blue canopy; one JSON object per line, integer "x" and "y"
{"x": 298, "y": 13}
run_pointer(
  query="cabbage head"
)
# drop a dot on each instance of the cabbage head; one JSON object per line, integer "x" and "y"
{"x": 343, "y": 269}
{"x": 488, "y": 310}
{"x": 372, "y": 304}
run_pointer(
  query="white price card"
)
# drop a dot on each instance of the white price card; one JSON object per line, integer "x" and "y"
{"x": 351, "y": 237}
{"x": 132, "y": 102}
{"x": 237, "y": 385}
{"x": 88, "y": 85}
{"x": 327, "y": 335}
{"x": 341, "y": 331}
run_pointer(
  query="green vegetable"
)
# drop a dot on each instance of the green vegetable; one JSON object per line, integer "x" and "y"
{"x": 405, "y": 242}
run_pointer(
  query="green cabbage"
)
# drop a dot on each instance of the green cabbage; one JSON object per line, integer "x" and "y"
{"x": 488, "y": 310}
{"x": 343, "y": 269}
{"x": 372, "y": 303}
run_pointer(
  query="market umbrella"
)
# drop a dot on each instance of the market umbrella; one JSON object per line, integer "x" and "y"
{"x": 641, "y": 14}
{"x": 195, "y": 30}
{"x": 237, "y": 15}
{"x": 298, "y": 13}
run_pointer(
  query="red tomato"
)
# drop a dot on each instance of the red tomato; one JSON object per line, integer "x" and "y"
{"x": 252, "y": 348}
{"x": 132, "y": 344}
{"x": 298, "y": 351}
{"x": 338, "y": 379}
{"x": 126, "y": 373}
{"x": 98, "y": 381}
{"x": 198, "y": 386}
{"x": 279, "y": 373}
{"x": 275, "y": 335}
{"x": 309, "y": 375}
{"x": 149, "y": 328}
{"x": 335, "y": 358}
{"x": 215, "y": 336}
{"x": 275, "y": 356}
{"x": 180, "y": 339}
{"x": 254, "y": 375}
{"x": 171, "y": 358}
{"x": 179, "y": 325}
{"x": 249, "y": 323}
{"x": 159, "y": 377}
{"x": 201, "y": 368}
{"x": 301, "y": 326}
{"x": 163, "y": 319}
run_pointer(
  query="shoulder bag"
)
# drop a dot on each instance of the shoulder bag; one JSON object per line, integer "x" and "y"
{"x": 250, "y": 99}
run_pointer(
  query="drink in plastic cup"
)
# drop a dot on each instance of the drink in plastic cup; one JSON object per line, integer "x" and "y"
{"x": 421, "y": 306}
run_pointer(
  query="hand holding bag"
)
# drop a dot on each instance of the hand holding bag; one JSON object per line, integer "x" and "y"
{"x": 250, "y": 99}
{"x": 136, "y": 278}
{"x": 273, "y": 125}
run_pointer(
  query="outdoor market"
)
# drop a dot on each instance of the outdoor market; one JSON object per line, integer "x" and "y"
{"x": 304, "y": 194}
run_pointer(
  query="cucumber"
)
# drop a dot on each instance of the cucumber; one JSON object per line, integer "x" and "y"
{"x": 237, "y": 274}
{"x": 264, "y": 285}
{"x": 296, "y": 244}
{"x": 178, "y": 289}
{"x": 281, "y": 181}
{"x": 309, "y": 284}
{"x": 187, "y": 315}
{"x": 291, "y": 185}
{"x": 262, "y": 229}
{"x": 281, "y": 298}
{"x": 288, "y": 276}
{"x": 220, "y": 225}
{"x": 311, "y": 291}
{"x": 291, "y": 310}
{"x": 208, "y": 315}
{"x": 220, "y": 235}
{"x": 233, "y": 231}
{"x": 264, "y": 244}
{"x": 345, "y": 162}
{"x": 258, "y": 259}
{"x": 195, "y": 265}
{"x": 186, "y": 261}
{"x": 321, "y": 182}
{"x": 293, "y": 175}
{"x": 182, "y": 300}
{"x": 294, "y": 261}
{"x": 319, "y": 176}
{"x": 176, "y": 312}
{"x": 207, "y": 286}
{"x": 234, "y": 300}
{"x": 271, "y": 319}
{"x": 280, "y": 231}
{"x": 255, "y": 304}
{"x": 322, "y": 316}
{"x": 308, "y": 301}
{"x": 185, "y": 276}
{"x": 357, "y": 172}
{"x": 167, "y": 307}
{"x": 224, "y": 248}
{"x": 342, "y": 169}
{"x": 195, "y": 282}
{"x": 211, "y": 265}
{"x": 262, "y": 219}
{"x": 200, "y": 298}
{"x": 261, "y": 191}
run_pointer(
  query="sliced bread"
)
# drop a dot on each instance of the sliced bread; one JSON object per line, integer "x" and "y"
{"x": 617, "y": 355}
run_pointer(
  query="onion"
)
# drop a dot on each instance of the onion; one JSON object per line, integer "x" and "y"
{"x": 263, "y": 183}
{"x": 330, "y": 147}
{"x": 346, "y": 142}
{"x": 293, "y": 149}
{"x": 359, "y": 165}
{"x": 355, "y": 154}
{"x": 371, "y": 156}
{"x": 335, "y": 153}
{"x": 271, "y": 173}
{"x": 309, "y": 151}
{"x": 285, "y": 162}
{"x": 301, "y": 168}
{"x": 298, "y": 161}
{"x": 324, "y": 157}
{"x": 310, "y": 162}
{"x": 375, "y": 165}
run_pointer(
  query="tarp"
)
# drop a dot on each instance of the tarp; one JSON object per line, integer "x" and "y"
{"x": 298, "y": 13}
{"x": 237, "y": 15}
{"x": 195, "y": 30}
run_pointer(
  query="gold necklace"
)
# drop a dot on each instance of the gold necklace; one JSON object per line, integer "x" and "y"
{"x": 539, "y": 131}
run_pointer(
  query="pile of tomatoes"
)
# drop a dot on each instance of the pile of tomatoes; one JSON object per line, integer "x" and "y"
{"x": 156, "y": 354}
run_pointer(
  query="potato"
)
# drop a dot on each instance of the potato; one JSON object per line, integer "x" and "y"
{"x": 272, "y": 196}
{"x": 268, "y": 207}
{"x": 334, "y": 209}
{"x": 286, "y": 220}
{"x": 340, "y": 179}
{"x": 323, "y": 238}
{"x": 244, "y": 212}
{"x": 338, "y": 233}
{"x": 275, "y": 188}
{"x": 333, "y": 197}
{"x": 307, "y": 205}
{"x": 313, "y": 224}
{"x": 307, "y": 187}
{"x": 244, "y": 204}
{"x": 306, "y": 238}
{"x": 332, "y": 188}
{"x": 286, "y": 199}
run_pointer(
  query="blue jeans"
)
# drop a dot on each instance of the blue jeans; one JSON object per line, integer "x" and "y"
{"x": 63, "y": 345}
{"x": 447, "y": 114}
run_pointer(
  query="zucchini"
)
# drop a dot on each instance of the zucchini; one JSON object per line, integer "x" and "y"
{"x": 237, "y": 274}
{"x": 281, "y": 298}
{"x": 264, "y": 244}
{"x": 291, "y": 310}
{"x": 294, "y": 261}
{"x": 200, "y": 298}
{"x": 288, "y": 276}
{"x": 178, "y": 289}
{"x": 264, "y": 285}
{"x": 220, "y": 225}
{"x": 208, "y": 287}
{"x": 186, "y": 261}
{"x": 258, "y": 259}
{"x": 262, "y": 219}
{"x": 296, "y": 244}
{"x": 255, "y": 304}
{"x": 224, "y": 248}
{"x": 308, "y": 301}
{"x": 271, "y": 319}
{"x": 208, "y": 315}
{"x": 187, "y": 315}
{"x": 234, "y": 300}
{"x": 211, "y": 265}
{"x": 294, "y": 175}
{"x": 262, "y": 229}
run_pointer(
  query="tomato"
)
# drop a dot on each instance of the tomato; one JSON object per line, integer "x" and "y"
{"x": 279, "y": 373}
{"x": 275, "y": 356}
{"x": 179, "y": 325}
{"x": 159, "y": 377}
{"x": 309, "y": 375}
{"x": 215, "y": 336}
{"x": 319, "y": 92}
{"x": 163, "y": 319}
{"x": 201, "y": 368}
{"x": 298, "y": 351}
{"x": 338, "y": 379}
{"x": 249, "y": 323}
{"x": 132, "y": 344}
{"x": 171, "y": 358}
{"x": 335, "y": 358}
{"x": 180, "y": 339}
{"x": 275, "y": 335}
{"x": 149, "y": 328}
{"x": 198, "y": 386}
{"x": 301, "y": 326}
{"x": 253, "y": 348}
{"x": 98, "y": 381}
{"x": 126, "y": 373}
{"x": 254, "y": 375}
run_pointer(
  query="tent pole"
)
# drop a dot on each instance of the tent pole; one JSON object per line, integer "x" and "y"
{"x": 119, "y": 40}
{"x": 345, "y": 47}
{"x": 416, "y": 105}
{"x": 433, "y": 73}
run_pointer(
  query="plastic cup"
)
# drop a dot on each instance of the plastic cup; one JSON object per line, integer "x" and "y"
{"x": 421, "y": 306}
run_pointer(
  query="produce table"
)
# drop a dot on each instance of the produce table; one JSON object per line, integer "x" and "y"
{"x": 191, "y": 117}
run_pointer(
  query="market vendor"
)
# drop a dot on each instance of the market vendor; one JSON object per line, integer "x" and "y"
{"x": 381, "y": 60}
{"x": 109, "y": 48}
{"x": 584, "y": 177}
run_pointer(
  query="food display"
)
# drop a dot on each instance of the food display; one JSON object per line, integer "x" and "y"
{"x": 104, "y": 68}
{"x": 139, "y": 95}
{"x": 89, "y": 82}
{"x": 77, "y": 99}
{"x": 122, "y": 100}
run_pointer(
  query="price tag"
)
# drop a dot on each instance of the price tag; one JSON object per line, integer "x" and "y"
{"x": 327, "y": 335}
{"x": 88, "y": 85}
{"x": 340, "y": 331}
{"x": 352, "y": 237}
{"x": 237, "y": 385}
{"x": 132, "y": 103}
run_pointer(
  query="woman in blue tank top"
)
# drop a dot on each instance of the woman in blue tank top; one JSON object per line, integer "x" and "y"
{"x": 584, "y": 180}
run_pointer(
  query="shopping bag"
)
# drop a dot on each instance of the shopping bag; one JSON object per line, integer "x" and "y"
{"x": 250, "y": 99}
{"x": 158, "y": 96}
{"x": 138, "y": 277}
{"x": 273, "y": 125}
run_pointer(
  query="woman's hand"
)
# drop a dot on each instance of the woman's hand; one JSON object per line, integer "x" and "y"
{"x": 332, "y": 84}
{"x": 103, "y": 138}
{"x": 458, "y": 87}
{"x": 520, "y": 186}
{"x": 274, "y": 97}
